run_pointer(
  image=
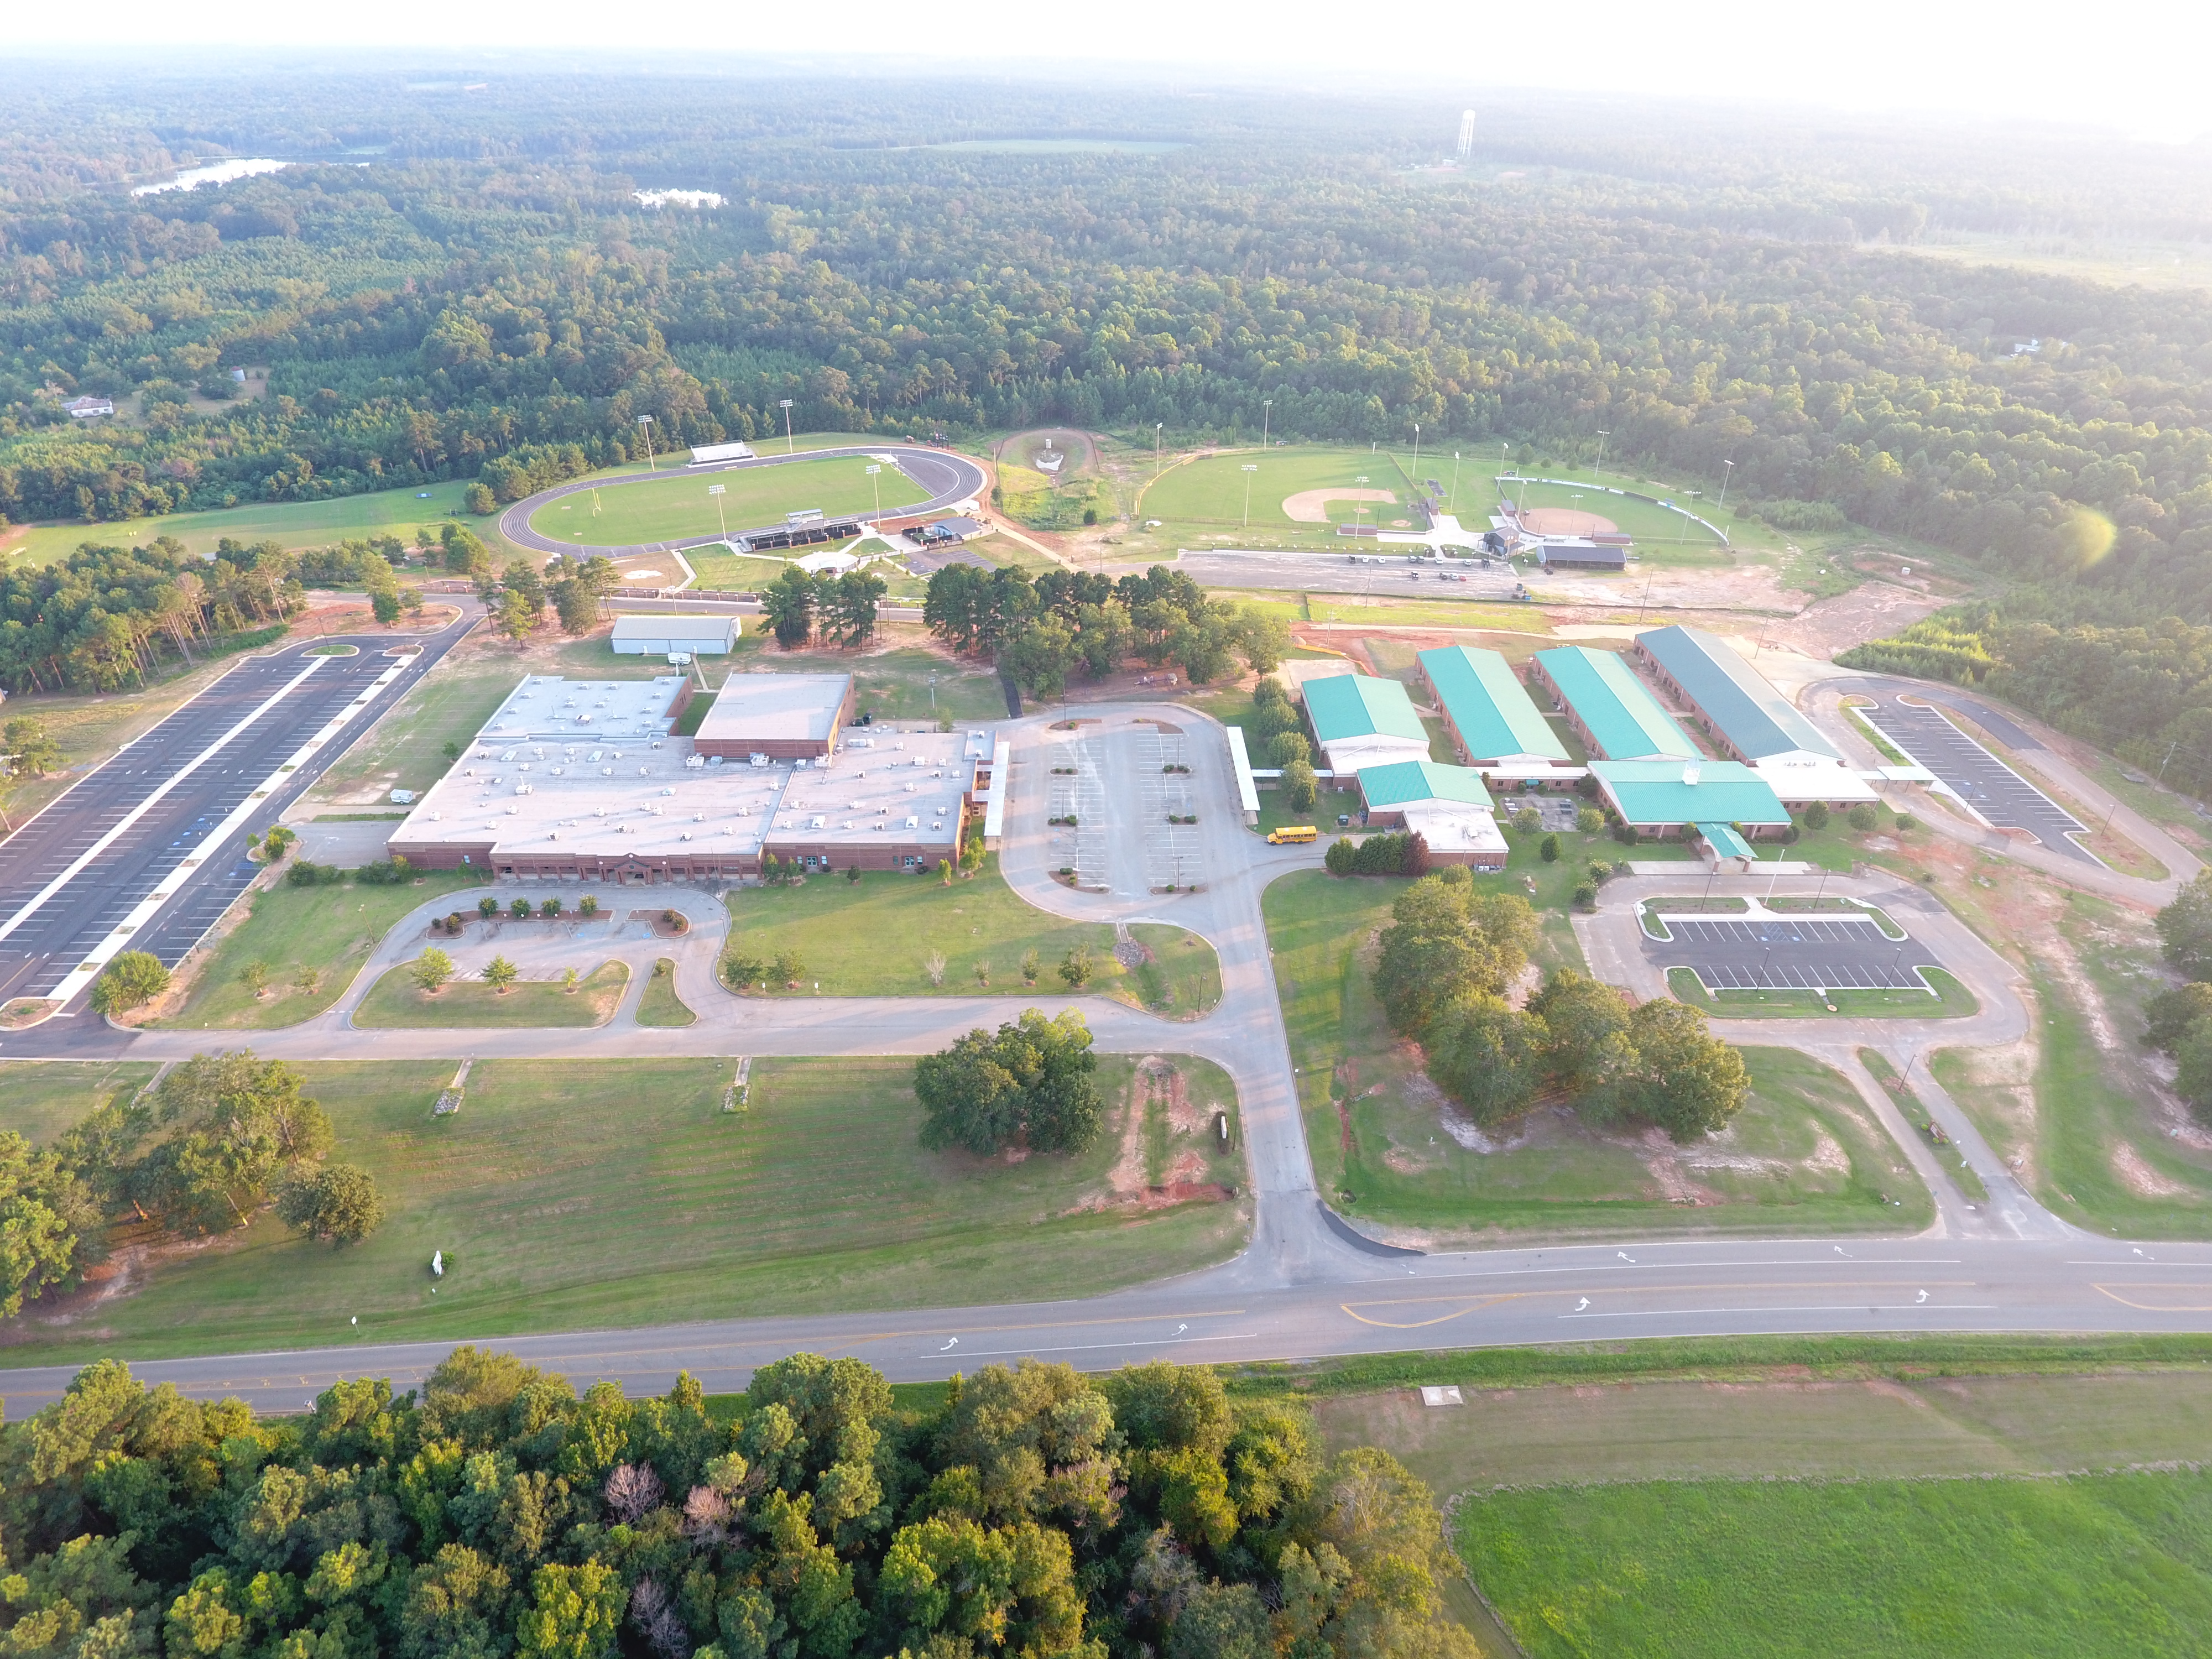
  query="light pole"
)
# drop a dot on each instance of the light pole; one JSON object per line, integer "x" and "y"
{"x": 1454, "y": 494}
{"x": 1156, "y": 425}
{"x": 1416, "y": 453}
{"x": 1693, "y": 495}
{"x": 784, "y": 403}
{"x": 1249, "y": 471}
{"x": 645, "y": 425}
{"x": 1359, "y": 511}
{"x": 722, "y": 517}
{"x": 874, "y": 473}
{"x": 1267, "y": 413}
{"x": 1725, "y": 477}
{"x": 1600, "y": 467}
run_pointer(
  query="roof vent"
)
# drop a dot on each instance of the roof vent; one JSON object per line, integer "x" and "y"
{"x": 1690, "y": 771}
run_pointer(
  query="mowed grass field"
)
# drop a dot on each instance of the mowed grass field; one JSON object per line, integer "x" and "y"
{"x": 296, "y": 524}
{"x": 2108, "y": 1563}
{"x": 573, "y": 1194}
{"x": 673, "y": 507}
{"x": 1805, "y": 1155}
{"x": 38, "y": 1099}
{"x": 1211, "y": 491}
{"x": 395, "y": 1001}
{"x": 1645, "y": 520}
{"x": 874, "y": 937}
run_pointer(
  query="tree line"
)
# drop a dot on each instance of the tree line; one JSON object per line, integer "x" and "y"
{"x": 218, "y": 1140}
{"x": 1449, "y": 956}
{"x": 1044, "y": 631}
{"x": 498, "y": 1515}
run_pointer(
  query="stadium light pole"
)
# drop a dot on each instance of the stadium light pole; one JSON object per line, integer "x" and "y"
{"x": 1416, "y": 453}
{"x": 874, "y": 474}
{"x": 1725, "y": 477}
{"x": 1249, "y": 471}
{"x": 645, "y": 425}
{"x": 1267, "y": 414}
{"x": 720, "y": 517}
{"x": 784, "y": 403}
{"x": 1358, "y": 513}
{"x": 1600, "y": 467}
{"x": 1156, "y": 425}
{"x": 1454, "y": 494}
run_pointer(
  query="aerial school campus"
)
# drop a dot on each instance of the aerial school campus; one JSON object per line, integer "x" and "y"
{"x": 941, "y": 1036}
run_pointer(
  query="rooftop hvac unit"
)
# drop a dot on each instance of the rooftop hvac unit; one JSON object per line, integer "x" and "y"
{"x": 819, "y": 823}
{"x": 914, "y": 824}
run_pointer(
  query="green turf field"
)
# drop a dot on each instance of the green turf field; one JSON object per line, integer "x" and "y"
{"x": 569, "y": 1194}
{"x": 1211, "y": 492}
{"x": 1645, "y": 520}
{"x": 2108, "y": 1564}
{"x": 675, "y": 506}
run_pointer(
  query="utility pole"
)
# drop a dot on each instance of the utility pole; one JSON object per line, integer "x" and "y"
{"x": 645, "y": 425}
{"x": 784, "y": 403}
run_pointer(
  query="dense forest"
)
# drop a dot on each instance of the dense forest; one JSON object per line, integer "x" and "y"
{"x": 1031, "y": 1512}
{"x": 456, "y": 279}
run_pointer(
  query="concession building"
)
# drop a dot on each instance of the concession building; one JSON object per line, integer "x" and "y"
{"x": 1487, "y": 714}
{"x": 1607, "y": 706}
{"x": 584, "y": 781}
{"x": 1748, "y": 719}
{"x": 1363, "y": 720}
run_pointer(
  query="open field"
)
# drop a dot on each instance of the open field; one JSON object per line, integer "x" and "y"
{"x": 659, "y": 1005}
{"x": 1804, "y": 1155}
{"x": 574, "y": 1194}
{"x": 393, "y": 1000}
{"x": 1953, "y": 1001}
{"x": 2091, "y": 1563}
{"x": 329, "y": 931}
{"x": 675, "y": 506}
{"x": 1208, "y": 493}
{"x": 296, "y": 524}
{"x": 1647, "y": 521}
{"x": 38, "y": 1099}
{"x": 873, "y": 938}
{"x": 1184, "y": 975}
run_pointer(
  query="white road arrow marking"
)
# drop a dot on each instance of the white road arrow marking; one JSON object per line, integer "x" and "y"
{"x": 1623, "y": 1256}
{"x": 1922, "y": 1296}
{"x": 949, "y": 1346}
{"x": 1580, "y": 1305}
{"x": 1180, "y": 1329}
{"x": 1843, "y": 1253}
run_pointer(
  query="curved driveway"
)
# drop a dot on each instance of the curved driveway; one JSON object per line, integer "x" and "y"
{"x": 1307, "y": 1285}
{"x": 949, "y": 478}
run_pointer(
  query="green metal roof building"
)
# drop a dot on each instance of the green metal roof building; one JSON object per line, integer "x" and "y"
{"x": 1750, "y": 720}
{"x": 1487, "y": 710}
{"x": 1386, "y": 788}
{"x": 1661, "y": 796}
{"x": 1608, "y": 707}
{"x": 1363, "y": 719}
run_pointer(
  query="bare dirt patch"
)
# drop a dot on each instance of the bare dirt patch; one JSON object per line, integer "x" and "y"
{"x": 1565, "y": 521}
{"x": 2139, "y": 1177}
{"x": 1871, "y": 611}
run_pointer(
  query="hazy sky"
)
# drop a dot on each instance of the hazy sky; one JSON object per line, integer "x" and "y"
{"x": 2135, "y": 65}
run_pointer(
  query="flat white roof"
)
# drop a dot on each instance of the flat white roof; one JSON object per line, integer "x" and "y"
{"x": 909, "y": 786}
{"x": 671, "y": 626}
{"x": 548, "y": 706}
{"x": 778, "y": 707}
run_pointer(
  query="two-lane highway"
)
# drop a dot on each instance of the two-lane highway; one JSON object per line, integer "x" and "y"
{"x": 146, "y": 850}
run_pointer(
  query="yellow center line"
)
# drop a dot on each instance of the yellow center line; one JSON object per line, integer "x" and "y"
{"x": 2167, "y": 1289}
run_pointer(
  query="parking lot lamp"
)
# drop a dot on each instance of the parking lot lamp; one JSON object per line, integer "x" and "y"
{"x": 1249, "y": 471}
{"x": 784, "y": 403}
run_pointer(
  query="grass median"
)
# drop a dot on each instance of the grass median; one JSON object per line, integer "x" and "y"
{"x": 571, "y": 1195}
{"x": 1952, "y": 1000}
{"x": 659, "y": 1005}
{"x": 395, "y": 1001}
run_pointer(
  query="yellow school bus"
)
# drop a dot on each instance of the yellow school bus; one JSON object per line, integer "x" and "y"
{"x": 1291, "y": 834}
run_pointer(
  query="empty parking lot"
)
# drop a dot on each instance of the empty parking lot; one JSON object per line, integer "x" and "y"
{"x": 1791, "y": 953}
{"x": 2003, "y": 798}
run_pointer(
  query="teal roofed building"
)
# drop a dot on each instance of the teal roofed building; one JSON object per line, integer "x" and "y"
{"x": 1449, "y": 806}
{"x": 1362, "y": 720}
{"x": 1746, "y": 716}
{"x": 1661, "y": 797}
{"x": 1487, "y": 711}
{"x": 1607, "y": 706}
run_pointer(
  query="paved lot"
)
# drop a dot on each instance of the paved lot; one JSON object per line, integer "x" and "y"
{"x": 2001, "y": 795}
{"x": 70, "y": 877}
{"x": 1384, "y": 571}
{"x": 1794, "y": 953}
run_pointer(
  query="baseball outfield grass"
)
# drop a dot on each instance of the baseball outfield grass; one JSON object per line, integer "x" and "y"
{"x": 571, "y": 1195}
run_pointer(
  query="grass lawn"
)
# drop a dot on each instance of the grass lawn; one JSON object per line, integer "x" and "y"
{"x": 1907, "y": 1099}
{"x": 659, "y": 1005}
{"x": 38, "y": 1099}
{"x": 2088, "y": 1565}
{"x": 394, "y": 1000}
{"x": 1184, "y": 975}
{"x": 871, "y": 937}
{"x": 2083, "y": 1114}
{"x": 727, "y": 572}
{"x": 569, "y": 1194}
{"x": 1647, "y": 521}
{"x": 1953, "y": 1001}
{"x": 1804, "y": 1154}
{"x": 674, "y": 506}
{"x": 406, "y": 747}
{"x": 330, "y": 930}
{"x": 1211, "y": 490}
{"x": 296, "y": 524}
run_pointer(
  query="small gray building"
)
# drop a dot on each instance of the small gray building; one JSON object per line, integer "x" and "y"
{"x": 654, "y": 633}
